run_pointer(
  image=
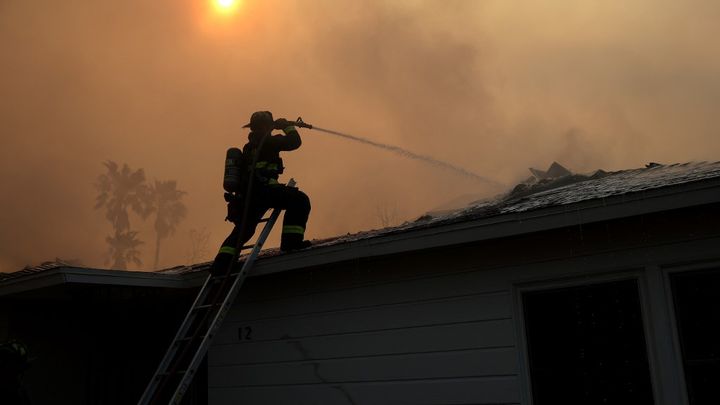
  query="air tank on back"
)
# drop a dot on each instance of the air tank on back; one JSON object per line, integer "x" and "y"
{"x": 234, "y": 173}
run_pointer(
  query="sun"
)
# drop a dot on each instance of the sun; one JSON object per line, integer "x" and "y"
{"x": 226, "y": 6}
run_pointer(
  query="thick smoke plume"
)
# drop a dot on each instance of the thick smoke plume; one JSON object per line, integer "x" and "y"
{"x": 492, "y": 86}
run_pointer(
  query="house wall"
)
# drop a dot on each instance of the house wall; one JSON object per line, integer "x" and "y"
{"x": 4, "y": 323}
{"x": 445, "y": 326}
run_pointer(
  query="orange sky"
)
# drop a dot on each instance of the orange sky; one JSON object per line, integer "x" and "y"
{"x": 495, "y": 86}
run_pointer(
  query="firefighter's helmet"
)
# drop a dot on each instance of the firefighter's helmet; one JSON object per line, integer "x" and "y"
{"x": 260, "y": 120}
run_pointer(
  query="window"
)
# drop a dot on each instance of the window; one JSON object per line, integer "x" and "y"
{"x": 697, "y": 310}
{"x": 586, "y": 345}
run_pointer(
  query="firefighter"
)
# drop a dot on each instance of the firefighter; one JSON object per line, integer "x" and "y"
{"x": 262, "y": 155}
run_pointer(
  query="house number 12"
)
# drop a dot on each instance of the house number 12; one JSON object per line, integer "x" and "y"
{"x": 245, "y": 333}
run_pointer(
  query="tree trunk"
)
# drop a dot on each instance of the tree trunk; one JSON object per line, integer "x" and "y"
{"x": 157, "y": 251}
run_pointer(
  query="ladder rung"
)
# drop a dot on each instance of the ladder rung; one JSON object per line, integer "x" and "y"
{"x": 168, "y": 373}
{"x": 186, "y": 339}
{"x": 206, "y": 306}
{"x": 264, "y": 219}
{"x": 247, "y": 247}
{"x": 218, "y": 278}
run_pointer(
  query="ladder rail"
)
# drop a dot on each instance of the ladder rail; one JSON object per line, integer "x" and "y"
{"x": 171, "y": 355}
{"x": 222, "y": 312}
{"x": 173, "y": 348}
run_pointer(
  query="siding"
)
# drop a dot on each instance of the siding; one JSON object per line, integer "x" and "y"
{"x": 434, "y": 326}
{"x": 446, "y": 339}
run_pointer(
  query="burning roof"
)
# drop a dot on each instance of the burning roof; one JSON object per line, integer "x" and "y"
{"x": 557, "y": 187}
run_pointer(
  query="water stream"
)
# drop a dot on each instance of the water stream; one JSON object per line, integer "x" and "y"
{"x": 406, "y": 153}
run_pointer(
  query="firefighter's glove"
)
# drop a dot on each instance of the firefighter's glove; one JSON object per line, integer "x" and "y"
{"x": 282, "y": 123}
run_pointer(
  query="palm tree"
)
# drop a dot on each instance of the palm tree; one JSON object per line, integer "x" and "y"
{"x": 121, "y": 190}
{"x": 124, "y": 249}
{"x": 169, "y": 210}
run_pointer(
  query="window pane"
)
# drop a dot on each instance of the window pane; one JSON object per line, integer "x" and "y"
{"x": 697, "y": 309}
{"x": 586, "y": 345}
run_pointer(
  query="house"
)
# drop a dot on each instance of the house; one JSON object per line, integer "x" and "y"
{"x": 94, "y": 336}
{"x": 572, "y": 289}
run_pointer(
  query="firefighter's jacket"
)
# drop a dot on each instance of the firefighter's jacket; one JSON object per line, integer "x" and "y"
{"x": 269, "y": 165}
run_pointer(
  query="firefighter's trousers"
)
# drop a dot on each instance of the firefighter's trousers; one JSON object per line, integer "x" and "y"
{"x": 297, "y": 209}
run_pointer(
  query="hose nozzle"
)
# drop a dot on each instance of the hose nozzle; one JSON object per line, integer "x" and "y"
{"x": 302, "y": 124}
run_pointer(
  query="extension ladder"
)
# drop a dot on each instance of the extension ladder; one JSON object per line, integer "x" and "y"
{"x": 182, "y": 359}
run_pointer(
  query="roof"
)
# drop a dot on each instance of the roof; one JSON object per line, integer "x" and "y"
{"x": 529, "y": 207}
{"x": 541, "y": 203}
{"x": 28, "y": 270}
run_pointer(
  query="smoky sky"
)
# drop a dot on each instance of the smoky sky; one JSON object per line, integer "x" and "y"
{"x": 493, "y": 86}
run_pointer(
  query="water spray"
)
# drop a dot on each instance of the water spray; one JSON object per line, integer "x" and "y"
{"x": 401, "y": 151}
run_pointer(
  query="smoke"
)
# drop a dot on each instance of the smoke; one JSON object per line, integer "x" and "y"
{"x": 494, "y": 87}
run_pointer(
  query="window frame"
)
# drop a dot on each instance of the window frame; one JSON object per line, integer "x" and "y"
{"x": 666, "y": 273}
{"x": 632, "y": 274}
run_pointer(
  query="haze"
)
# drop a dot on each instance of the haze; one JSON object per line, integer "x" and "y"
{"x": 494, "y": 86}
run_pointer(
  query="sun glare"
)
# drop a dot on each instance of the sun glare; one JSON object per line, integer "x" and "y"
{"x": 226, "y": 6}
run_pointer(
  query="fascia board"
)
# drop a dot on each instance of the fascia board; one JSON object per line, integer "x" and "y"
{"x": 510, "y": 224}
{"x": 62, "y": 275}
{"x": 124, "y": 278}
{"x": 44, "y": 279}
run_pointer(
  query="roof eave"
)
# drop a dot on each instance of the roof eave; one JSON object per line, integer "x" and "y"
{"x": 78, "y": 275}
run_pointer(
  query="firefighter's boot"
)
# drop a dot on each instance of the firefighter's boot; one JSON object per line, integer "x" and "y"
{"x": 293, "y": 241}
